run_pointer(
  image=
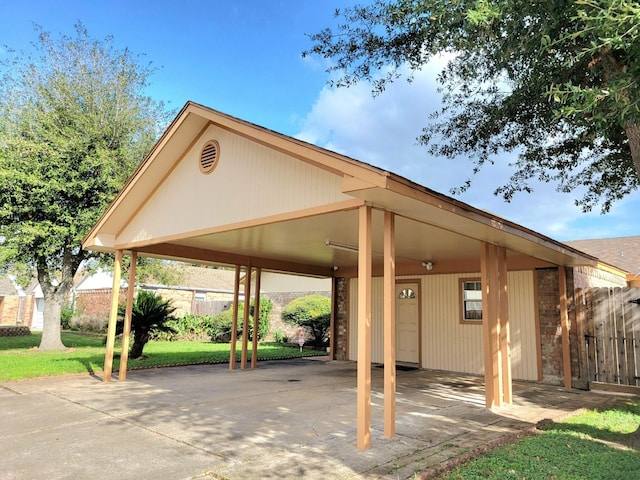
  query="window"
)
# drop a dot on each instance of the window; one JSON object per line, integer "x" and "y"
{"x": 471, "y": 299}
{"x": 407, "y": 293}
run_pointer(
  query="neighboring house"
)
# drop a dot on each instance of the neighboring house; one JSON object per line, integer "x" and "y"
{"x": 201, "y": 290}
{"x": 458, "y": 288}
{"x": 21, "y": 306}
{"x": 623, "y": 252}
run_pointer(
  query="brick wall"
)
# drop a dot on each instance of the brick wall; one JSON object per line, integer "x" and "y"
{"x": 93, "y": 306}
{"x": 16, "y": 310}
{"x": 9, "y": 310}
{"x": 340, "y": 333}
{"x": 550, "y": 327}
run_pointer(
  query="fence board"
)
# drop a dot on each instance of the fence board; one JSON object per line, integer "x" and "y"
{"x": 632, "y": 334}
{"x": 590, "y": 334}
{"x": 581, "y": 334}
{"x": 620, "y": 356}
{"x": 611, "y": 325}
{"x": 601, "y": 318}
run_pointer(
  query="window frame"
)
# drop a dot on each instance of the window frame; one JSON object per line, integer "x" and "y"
{"x": 461, "y": 301}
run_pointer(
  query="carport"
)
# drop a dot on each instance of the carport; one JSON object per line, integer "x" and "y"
{"x": 220, "y": 191}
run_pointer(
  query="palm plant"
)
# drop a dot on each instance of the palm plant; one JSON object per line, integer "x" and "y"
{"x": 150, "y": 314}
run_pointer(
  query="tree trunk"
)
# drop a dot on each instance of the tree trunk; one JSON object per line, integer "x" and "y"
{"x": 55, "y": 294}
{"x": 633, "y": 135}
{"x": 634, "y": 441}
{"x": 53, "y": 302}
{"x": 139, "y": 341}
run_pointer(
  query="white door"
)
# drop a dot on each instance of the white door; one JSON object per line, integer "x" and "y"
{"x": 407, "y": 322}
{"x": 38, "y": 314}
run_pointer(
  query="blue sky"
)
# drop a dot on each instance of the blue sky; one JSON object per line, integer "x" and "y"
{"x": 243, "y": 57}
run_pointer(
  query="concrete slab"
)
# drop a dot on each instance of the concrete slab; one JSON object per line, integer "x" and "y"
{"x": 285, "y": 419}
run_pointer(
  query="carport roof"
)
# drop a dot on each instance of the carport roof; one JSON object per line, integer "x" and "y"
{"x": 429, "y": 226}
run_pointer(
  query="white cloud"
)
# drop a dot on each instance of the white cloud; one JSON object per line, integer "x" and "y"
{"x": 382, "y": 131}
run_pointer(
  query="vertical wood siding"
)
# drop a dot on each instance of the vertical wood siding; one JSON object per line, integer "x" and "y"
{"x": 447, "y": 344}
{"x": 278, "y": 184}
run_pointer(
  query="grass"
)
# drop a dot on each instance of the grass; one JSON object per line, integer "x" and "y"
{"x": 588, "y": 446}
{"x": 18, "y": 359}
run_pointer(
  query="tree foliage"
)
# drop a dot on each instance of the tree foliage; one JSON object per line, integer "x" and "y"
{"x": 74, "y": 122}
{"x": 555, "y": 82}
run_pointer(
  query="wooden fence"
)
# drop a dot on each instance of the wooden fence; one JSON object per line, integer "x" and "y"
{"x": 608, "y": 321}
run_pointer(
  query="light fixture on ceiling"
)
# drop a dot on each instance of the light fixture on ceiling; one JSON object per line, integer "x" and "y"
{"x": 428, "y": 265}
{"x": 340, "y": 246}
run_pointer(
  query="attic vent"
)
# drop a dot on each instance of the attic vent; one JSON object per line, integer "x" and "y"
{"x": 209, "y": 156}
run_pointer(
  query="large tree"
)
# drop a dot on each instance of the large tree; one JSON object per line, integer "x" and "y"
{"x": 555, "y": 82}
{"x": 74, "y": 122}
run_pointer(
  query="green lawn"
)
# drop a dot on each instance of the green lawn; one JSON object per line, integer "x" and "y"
{"x": 19, "y": 360}
{"x": 589, "y": 446}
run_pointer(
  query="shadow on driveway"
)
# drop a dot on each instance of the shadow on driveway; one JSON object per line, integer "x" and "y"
{"x": 285, "y": 419}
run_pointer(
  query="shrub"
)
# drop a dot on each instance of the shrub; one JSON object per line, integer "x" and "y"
{"x": 193, "y": 327}
{"x": 280, "y": 337}
{"x": 65, "y": 316}
{"x": 312, "y": 312}
{"x": 266, "y": 305}
{"x": 150, "y": 315}
{"x": 220, "y": 329}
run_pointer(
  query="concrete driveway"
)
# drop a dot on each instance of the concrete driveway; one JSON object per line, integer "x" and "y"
{"x": 285, "y": 419}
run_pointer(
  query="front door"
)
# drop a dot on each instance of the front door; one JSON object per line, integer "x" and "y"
{"x": 408, "y": 322}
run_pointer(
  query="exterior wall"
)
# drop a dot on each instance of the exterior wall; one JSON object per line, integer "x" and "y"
{"x": 92, "y": 307}
{"x": 29, "y": 306}
{"x": 549, "y": 319}
{"x": 340, "y": 334}
{"x": 283, "y": 283}
{"x": 16, "y": 310}
{"x": 585, "y": 277}
{"x": 9, "y": 307}
{"x": 446, "y": 343}
{"x": 284, "y": 183}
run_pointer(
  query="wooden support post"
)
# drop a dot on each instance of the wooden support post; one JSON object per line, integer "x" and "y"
{"x": 389, "y": 325}
{"x": 256, "y": 321}
{"x": 564, "y": 323}
{"x": 113, "y": 317}
{"x": 505, "y": 330}
{"x": 126, "y": 331}
{"x": 245, "y": 322}
{"x": 363, "y": 413}
{"x": 491, "y": 326}
{"x": 234, "y": 320}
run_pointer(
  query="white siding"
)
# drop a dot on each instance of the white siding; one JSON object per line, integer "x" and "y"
{"x": 251, "y": 181}
{"x": 446, "y": 343}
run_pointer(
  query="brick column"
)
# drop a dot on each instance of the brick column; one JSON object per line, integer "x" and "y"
{"x": 550, "y": 327}
{"x": 340, "y": 333}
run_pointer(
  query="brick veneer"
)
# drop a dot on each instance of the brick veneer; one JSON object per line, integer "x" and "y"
{"x": 16, "y": 310}
{"x": 550, "y": 327}
{"x": 93, "y": 306}
{"x": 340, "y": 332}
